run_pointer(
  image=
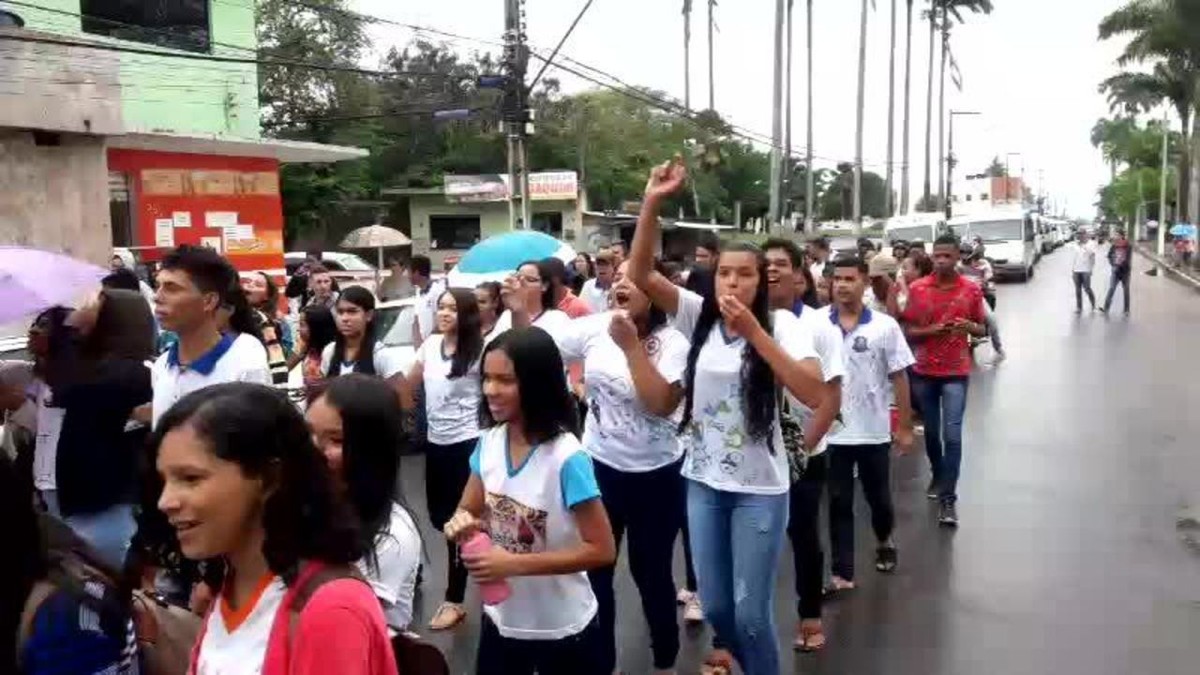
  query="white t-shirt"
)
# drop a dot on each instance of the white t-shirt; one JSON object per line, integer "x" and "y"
{"x": 451, "y": 405}
{"x": 426, "y": 307}
{"x": 1083, "y": 256}
{"x": 529, "y": 510}
{"x": 720, "y": 452}
{"x": 236, "y": 358}
{"x": 618, "y": 431}
{"x": 827, "y": 339}
{"x": 394, "y": 581}
{"x": 817, "y": 269}
{"x": 49, "y": 427}
{"x": 387, "y": 362}
{"x": 240, "y": 648}
{"x": 553, "y": 321}
{"x": 594, "y": 296}
{"x": 874, "y": 350}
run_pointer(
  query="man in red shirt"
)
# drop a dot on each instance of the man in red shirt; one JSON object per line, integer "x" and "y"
{"x": 944, "y": 309}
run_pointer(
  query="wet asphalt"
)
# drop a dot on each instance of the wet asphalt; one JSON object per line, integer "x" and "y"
{"x": 1079, "y": 549}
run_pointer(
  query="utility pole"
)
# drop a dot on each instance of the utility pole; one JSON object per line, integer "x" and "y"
{"x": 950, "y": 162}
{"x": 858, "y": 131}
{"x": 810, "y": 199}
{"x": 515, "y": 110}
{"x": 712, "y": 83}
{"x": 889, "y": 205}
{"x": 1162, "y": 189}
{"x": 777, "y": 117}
{"x": 788, "y": 166}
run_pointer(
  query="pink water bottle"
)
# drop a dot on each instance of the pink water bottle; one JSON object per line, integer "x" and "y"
{"x": 493, "y": 592}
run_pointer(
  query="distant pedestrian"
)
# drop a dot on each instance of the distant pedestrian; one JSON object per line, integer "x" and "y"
{"x": 355, "y": 349}
{"x": 1120, "y": 258}
{"x": 420, "y": 273}
{"x": 487, "y": 297}
{"x": 708, "y": 247}
{"x": 582, "y": 269}
{"x": 1083, "y": 260}
{"x": 595, "y": 290}
{"x": 818, "y": 255}
{"x": 943, "y": 311}
{"x": 560, "y": 289}
{"x": 315, "y": 330}
{"x": 322, "y": 288}
{"x": 263, "y": 296}
{"x": 977, "y": 269}
{"x": 882, "y": 270}
{"x": 533, "y": 490}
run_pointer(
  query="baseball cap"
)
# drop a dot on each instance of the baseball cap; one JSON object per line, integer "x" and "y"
{"x": 881, "y": 265}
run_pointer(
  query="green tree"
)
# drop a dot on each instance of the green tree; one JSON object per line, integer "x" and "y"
{"x": 996, "y": 169}
{"x": 836, "y": 200}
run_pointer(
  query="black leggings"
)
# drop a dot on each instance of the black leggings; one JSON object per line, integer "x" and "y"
{"x": 447, "y": 468}
{"x": 648, "y": 508}
{"x": 804, "y": 510}
{"x": 578, "y": 654}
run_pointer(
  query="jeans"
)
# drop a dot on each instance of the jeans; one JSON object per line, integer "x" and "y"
{"x": 943, "y": 404}
{"x": 804, "y": 516}
{"x": 447, "y": 469}
{"x": 874, "y": 470}
{"x": 993, "y": 328}
{"x": 108, "y": 532}
{"x": 1083, "y": 282}
{"x": 1121, "y": 277}
{"x": 736, "y": 542}
{"x": 577, "y": 654}
{"x": 648, "y": 507}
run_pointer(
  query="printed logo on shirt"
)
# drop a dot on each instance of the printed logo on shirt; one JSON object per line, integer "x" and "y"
{"x": 860, "y": 344}
{"x": 515, "y": 527}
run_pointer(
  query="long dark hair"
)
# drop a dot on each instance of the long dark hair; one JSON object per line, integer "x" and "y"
{"x": 259, "y": 429}
{"x": 322, "y": 329}
{"x": 547, "y": 408}
{"x": 271, "y": 303}
{"x": 365, "y": 364}
{"x": 545, "y": 274}
{"x": 124, "y": 331}
{"x": 758, "y": 380}
{"x": 578, "y": 279}
{"x": 469, "y": 333}
{"x": 372, "y": 438}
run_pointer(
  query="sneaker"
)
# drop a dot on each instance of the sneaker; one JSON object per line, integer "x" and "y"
{"x": 932, "y": 491}
{"x": 886, "y": 559}
{"x": 693, "y": 611}
{"x": 1103, "y": 310}
{"x": 684, "y": 596}
{"x": 948, "y": 514}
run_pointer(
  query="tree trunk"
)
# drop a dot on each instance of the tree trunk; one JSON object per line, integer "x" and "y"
{"x": 942, "y": 114}
{"x": 810, "y": 198}
{"x": 904, "y": 178}
{"x": 712, "y": 87}
{"x": 929, "y": 110}
{"x": 788, "y": 164}
{"x": 1193, "y": 200}
{"x": 687, "y": 54}
{"x": 858, "y": 130}
{"x": 1183, "y": 189}
{"x": 889, "y": 202}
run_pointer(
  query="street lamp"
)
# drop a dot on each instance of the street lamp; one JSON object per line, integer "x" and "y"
{"x": 950, "y": 161}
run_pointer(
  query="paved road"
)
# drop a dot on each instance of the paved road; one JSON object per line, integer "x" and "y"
{"x": 1075, "y": 553}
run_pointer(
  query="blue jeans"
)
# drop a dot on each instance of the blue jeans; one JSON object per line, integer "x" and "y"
{"x": 943, "y": 402}
{"x": 109, "y": 532}
{"x": 736, "y": 541}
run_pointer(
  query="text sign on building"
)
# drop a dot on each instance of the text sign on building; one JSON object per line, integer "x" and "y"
{"x": 493, "y": 187}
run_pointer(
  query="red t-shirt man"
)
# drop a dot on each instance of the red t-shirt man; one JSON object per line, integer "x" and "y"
{"x": 938, "y": 316}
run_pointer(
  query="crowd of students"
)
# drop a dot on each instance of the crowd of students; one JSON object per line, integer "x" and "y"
{"x": 560, "y": 421}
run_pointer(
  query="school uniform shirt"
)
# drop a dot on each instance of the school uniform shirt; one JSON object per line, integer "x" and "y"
{"x": 594, "y": 296}
{"x": 719, "y": 450}
{"x": 393, "y": 572}
{"x": 235, "y": 358}
{"x": 451, "y": 405}
{"x": 553, "y": 321}
{"x": 235, "y": 641}
{"x": 874, "y": 350}
{"x": 426, "y": 307}
{"x": 618, "y": 431}
{"x": 387, "y": 362}
{"x": 827, "y": 340}
{"x": 529, "y": 510}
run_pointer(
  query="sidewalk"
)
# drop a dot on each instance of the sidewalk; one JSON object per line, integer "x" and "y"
{"x": 1187, "y": 277}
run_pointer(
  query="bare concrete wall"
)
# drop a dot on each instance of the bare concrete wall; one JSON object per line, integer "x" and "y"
{"x": 57, "y": 87}
{"x": 55, "y": 197}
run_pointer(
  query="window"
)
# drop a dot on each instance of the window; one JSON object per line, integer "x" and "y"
{"x": 549, "y": 223}
{"x": 458, "y": 231}
{"x": 119, "y": 212}
{"x": 178, "y": 24}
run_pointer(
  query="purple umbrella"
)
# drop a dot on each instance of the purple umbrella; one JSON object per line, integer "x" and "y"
{"x": 32, "y": 280}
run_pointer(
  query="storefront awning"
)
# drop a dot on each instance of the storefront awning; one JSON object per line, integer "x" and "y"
{"x": 287, "y": 152}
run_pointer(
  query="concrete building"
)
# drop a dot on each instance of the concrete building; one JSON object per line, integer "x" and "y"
{"x": 981, "y": 191}
{"x": 126, "y": 125}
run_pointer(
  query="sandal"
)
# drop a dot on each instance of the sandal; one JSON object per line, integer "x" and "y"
{"x": 885, "y": 559}
{"x": 810, "y": 637}
{"x": 719, "y": 662}
{"x": 447, "y": 616}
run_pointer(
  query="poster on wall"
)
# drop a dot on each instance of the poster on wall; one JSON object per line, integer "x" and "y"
{"x": 261, "y": 242}
{"x": 164, "y": 233}
{"x": 214, "y": 182}
{"x": 261, "y": 183}
{"x": 212, "y": 242}
{"x": 221, "y": 219}
{"x": 182, "y": 218}
{"x": 162, "y": 182}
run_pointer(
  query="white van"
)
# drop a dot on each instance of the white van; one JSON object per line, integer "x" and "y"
{"x": 925, "y": 227}
{"x": 1009, "y": 236}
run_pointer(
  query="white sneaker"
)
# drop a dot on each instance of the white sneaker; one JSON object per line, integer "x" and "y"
{"x": 684, "y": 596}
{"x": 693, "y": 612}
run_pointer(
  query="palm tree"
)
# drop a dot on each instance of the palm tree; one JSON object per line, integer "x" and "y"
{"x": 932, "y": 15}
{"x": 712, "y": 88}
{"x": 908, "y": 28}
{"x": 858, "y": 135}
{"x": 687, "y": 53}
{"x": 1165, "y": 32}
{"x": 809, "y": 181}
{"x": 1112, "y": 137}
{"x": 891, "y": 124}
{"x": 788, "y": 164}
{"x": 951, "y": 10}
{"x": 1170, "y": 82}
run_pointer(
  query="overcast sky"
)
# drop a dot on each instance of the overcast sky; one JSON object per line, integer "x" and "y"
{"x": 1031, "y": 70}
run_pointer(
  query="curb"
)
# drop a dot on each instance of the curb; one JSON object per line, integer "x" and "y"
{"x": 1182, "y": 277}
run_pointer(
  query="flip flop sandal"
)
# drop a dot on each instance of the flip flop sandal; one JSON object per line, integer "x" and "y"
{"x": 810, "y": 640}
{"x": 447, "y": 616}
{"x": 717, "y": 663}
